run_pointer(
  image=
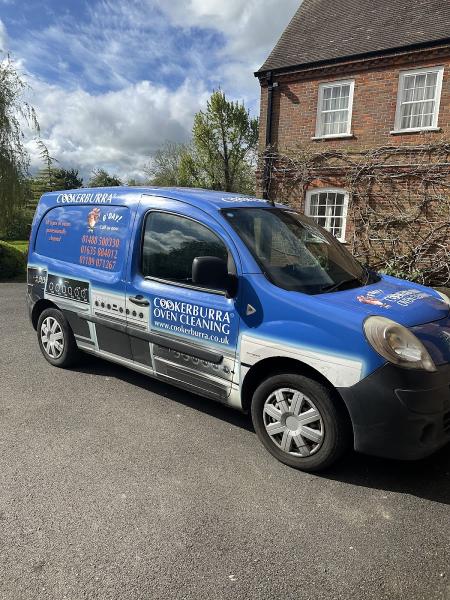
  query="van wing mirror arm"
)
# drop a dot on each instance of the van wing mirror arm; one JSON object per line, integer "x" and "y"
{"x": 232, "y": 285}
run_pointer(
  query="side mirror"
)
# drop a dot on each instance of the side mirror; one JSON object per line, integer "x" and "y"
{"x": 212, "y": 272}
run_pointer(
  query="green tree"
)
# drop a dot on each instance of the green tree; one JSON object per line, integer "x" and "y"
{"x": 51, "y": 178}
{"x": 224, "y": 146}
{"x": 38, "y": 185}
{"x": 100, "y": 178}
{"x": 43, "y": 181}
{"x": 14, "y": 159}
{"x": 165, "y": 167}
{"x": 67, "y": 179}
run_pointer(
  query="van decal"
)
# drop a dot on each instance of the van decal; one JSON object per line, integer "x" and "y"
{"x": 89, "y": 198}
{"x": 234, "y": 199}
{"x": 370, "y": 298}
{"x": 108, "y": 305}
{"x": 339, "y": 370}
{"x": 69, "y": 289}
{"x": 93, "y": 237}
{"x": 194, "y": 320}
{"x": 407, "y": 297}
{"x": 401, "y": 298}
{"x": 36, "y": 280}
{"x": 93, "y": 218}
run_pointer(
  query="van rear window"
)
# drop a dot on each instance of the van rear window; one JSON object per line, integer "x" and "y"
{"x": 92, "y": 236}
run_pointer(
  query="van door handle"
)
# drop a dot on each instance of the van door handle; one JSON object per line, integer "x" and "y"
{"x": 139, "y": 300}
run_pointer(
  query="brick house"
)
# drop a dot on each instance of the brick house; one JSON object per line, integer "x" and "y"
{"x": 355, "y": 127}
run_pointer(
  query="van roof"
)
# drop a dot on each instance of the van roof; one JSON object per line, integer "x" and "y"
{"x": 204, "y": 199}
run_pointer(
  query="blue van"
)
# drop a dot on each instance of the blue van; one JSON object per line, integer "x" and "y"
{"x": 249, "y": 304}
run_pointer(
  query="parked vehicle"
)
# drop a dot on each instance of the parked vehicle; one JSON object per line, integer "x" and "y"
{"x": 249, "y": 304}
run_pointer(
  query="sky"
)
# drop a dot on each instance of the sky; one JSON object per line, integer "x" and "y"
{"x": 112, "y": 80}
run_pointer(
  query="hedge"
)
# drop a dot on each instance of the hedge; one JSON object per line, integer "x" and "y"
{"x": 18, "y": 227}
{"x": 13, "y": 262}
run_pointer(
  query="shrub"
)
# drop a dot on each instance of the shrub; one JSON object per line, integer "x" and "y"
{"x": 13, "y": 262}
{"x": 19, "y": 226}
{"x": 413, "y": 275}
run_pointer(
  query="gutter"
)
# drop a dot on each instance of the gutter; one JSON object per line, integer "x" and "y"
{"x": 269, "y": 126}
{"x": 398, "y": 51}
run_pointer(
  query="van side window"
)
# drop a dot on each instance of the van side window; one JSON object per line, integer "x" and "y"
{"x": 171, "y": 242}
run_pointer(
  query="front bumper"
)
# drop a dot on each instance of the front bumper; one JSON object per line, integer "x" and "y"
{"x": 401, "y": 414}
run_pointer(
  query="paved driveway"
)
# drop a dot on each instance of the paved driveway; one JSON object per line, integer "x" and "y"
{"x": 114, "y": 486}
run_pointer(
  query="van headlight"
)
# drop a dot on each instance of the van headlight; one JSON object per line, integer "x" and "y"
{"x": 397, "y": 344}
{"x": 444, "y": 297}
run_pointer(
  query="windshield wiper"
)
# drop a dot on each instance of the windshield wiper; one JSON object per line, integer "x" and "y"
{"x": 335, "y": 286}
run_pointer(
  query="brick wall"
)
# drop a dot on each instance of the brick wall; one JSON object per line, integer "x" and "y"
{"x": 374, "y": 103}
{"x": 373, "y": 118}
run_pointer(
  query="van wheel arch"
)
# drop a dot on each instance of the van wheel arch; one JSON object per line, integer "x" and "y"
{"x": 38, "y": 309}
{"x": 281, "y": 365}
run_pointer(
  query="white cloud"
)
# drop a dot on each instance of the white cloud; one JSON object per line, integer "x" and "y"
{"x": 121, "y": 90}
{"x": 3, "y": 37}
{"x": 251, "y": 28}
{"x": 117, "y": 130}
{"x": 167, "y": 39}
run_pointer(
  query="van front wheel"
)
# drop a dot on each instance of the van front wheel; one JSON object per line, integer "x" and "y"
{"x": 56, "y": 339}
{"x": 299, "y": 423}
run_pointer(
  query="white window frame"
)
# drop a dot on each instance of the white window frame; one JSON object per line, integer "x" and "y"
{"x": 400, "y": 94}
{"x": 328, "y": 217}
{"x": 319, "y": 119}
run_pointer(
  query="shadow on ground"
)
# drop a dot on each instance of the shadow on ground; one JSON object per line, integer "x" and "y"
{"x": 428, "y": 478}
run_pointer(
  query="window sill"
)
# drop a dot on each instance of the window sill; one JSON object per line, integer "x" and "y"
{"x": 337, "y": 136}
{"x": 416, "y": 130}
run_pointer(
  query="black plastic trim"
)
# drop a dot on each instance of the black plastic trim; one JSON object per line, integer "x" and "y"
{"x": 160, "y": 340}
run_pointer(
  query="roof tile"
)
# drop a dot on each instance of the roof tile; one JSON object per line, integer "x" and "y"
{"x": 325, "y": 30}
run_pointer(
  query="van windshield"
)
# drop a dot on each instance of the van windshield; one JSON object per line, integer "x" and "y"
{"x": 295, "y": 253}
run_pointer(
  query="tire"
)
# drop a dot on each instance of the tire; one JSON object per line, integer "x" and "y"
{"x": 56, "y": 339}
{"x": 299, "y": 422}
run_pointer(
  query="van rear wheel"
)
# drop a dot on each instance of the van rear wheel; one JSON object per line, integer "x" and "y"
{"x": 56, "y": 339}
{"x": 299, "y": 422}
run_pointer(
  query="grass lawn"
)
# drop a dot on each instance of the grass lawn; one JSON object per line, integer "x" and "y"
{"x": 20, "y": 245}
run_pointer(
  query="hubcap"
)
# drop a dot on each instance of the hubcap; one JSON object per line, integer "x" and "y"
{"x": 293, "y": 422}
{"x": 52, "y": 337}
